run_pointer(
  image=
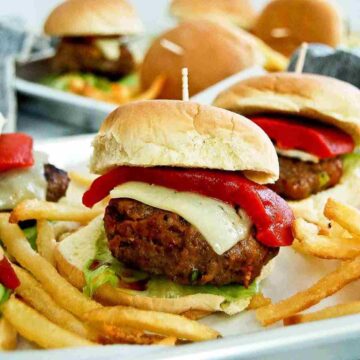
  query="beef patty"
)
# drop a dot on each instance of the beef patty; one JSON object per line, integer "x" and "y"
{"x": 81, "y": 54}
{"x": 163, "y": 243}
{"x": 57, "y": 182}
{"x": 299, "y": 179}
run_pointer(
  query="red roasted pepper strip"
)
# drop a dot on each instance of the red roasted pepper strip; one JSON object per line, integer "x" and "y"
{"x": 16, "y": 151}
{"x": 317, "y": 139}
{"x": 8, "y": 277}
{"x": 270, "y": 214}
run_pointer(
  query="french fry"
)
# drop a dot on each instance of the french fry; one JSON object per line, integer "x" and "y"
{"x": 153, "y": 91}
{"x": 274, "y": 60}
{"x": 157, "y": 322}
{"x": 60, "y": 290}
{"x": 347, "y": 216}
{"x": 35, "y": 327}
{"x": 45, "y": 241}
{"x": 328, "y": 285}
{"x": 196, "y": 314}
{"x": 258, "y": 301}
{"x": 43, "y": 210}
{"x": 115, "y": 335}
{"x": 81, "y": 179}
{"x": 308, "y": 241}
{"x": 327, "y": 313}
{"x": 167, "y": 341}
{"x": 8, "y": 336}
{"x": 34, "y": 294}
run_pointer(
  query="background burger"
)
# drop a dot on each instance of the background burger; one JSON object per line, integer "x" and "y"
{"x": 210, "y": 51}
{"x": 93, "y": 57}
{"x": 26, "y": 174}
{"x": 188, "y": 225}
{"x": 314, "y": 122}
{"x": 238, "y": 12}
{"x": 286, "y": 24}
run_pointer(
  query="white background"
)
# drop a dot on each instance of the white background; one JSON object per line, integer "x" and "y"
{"x": 153, "y": 12}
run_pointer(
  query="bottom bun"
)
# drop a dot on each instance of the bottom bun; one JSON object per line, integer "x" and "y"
{"x": 75, "y": 251}
{"x": 347, "y": 191}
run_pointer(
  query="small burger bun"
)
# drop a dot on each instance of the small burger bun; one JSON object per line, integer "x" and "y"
{"x": 285, "y": 24}
{"x": 238, "y": 12}
{"x": 316, "y": 99}
{"x": 93, "y": 17}
{"x": 183, "y": 134}
{"x": 211, "y": 51}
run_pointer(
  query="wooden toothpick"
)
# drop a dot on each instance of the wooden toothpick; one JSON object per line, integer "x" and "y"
{"x": 301, "y": 60}
{"x": 171, "y": 46}
{"x": 185, "y": 84}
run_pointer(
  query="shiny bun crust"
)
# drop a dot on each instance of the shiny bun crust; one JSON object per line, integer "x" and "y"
{"x": 239, "y": 12}
{"x": 93, "y": 17}
{"x": 312, "y": 96}
{"x": 183, "y": 134}
{"x": 313, "y": 21}
{"x": 211, "y": 52}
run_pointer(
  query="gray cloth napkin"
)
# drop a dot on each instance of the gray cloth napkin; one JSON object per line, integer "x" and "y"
{"x": 343, "y": 64}
{"x": 17, "y": 43}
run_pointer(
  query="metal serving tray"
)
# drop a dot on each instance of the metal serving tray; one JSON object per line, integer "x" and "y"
{"x": 243, "y": 337}
{"x": 56, "y": 105}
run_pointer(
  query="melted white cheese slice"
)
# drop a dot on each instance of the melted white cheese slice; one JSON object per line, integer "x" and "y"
{"x": 110, "y": 48}
{"x": 217, "y": 221}
{"x": 22, "y": 184}
{"x": 298, "y": 154}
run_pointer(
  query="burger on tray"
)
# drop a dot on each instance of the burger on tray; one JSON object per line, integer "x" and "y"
{"x": 93, "y": 57}
{"x": 314, "y": 123}
{"x": 189, "y": 223}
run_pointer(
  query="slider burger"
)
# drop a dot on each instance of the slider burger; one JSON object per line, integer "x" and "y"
{"x": 286, "y": 24}
{"x": 211, "y": 52}
{"x": 93, "y": 58}
{"x": 25, "y": 174}
{"x": 314, "y": 123}
{"x": 188, "y": 224}
{"x": 238, "y": 12}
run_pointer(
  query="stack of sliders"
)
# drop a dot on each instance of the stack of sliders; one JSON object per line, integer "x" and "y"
{"x": 285, "y": 24}
{"x": 188, "y": 224}
{"x": 211, "y": 52}
{"x": 25, "y": 174}
{"x": 238, "y": 12}
{"x": 93, "y": 57}
{"x": 314, "y": 122}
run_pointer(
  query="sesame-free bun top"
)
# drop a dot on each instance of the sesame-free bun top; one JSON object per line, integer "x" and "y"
{"x": 211, "y": 51}
{"x": 183, "y": 134}
{"x": 285, "y": 24}
{"x": 239, "y": 12}
{"x": 93, "y": 17}
{"x": 313, "y": 97}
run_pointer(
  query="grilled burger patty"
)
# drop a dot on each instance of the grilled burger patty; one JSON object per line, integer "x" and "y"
{"x": 299, "y": 179}
{"x": 163, "y": 243}
{"x": 81, "y": 54}
{"x": 57, "y": 182}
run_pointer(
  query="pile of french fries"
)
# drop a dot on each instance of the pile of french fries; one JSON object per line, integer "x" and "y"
{"x": 338, "y": 239}
{"x": 48, "y": 311}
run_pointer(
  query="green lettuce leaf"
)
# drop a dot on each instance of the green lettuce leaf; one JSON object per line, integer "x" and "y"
{"x": 161, "y": 287}
{"x": 107, "y": 270}
{"x": 4, "y": 294}
{"x": 351, "y": 162}
{"x": 31, "y": 235}
{"x": 132, "y": 80}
